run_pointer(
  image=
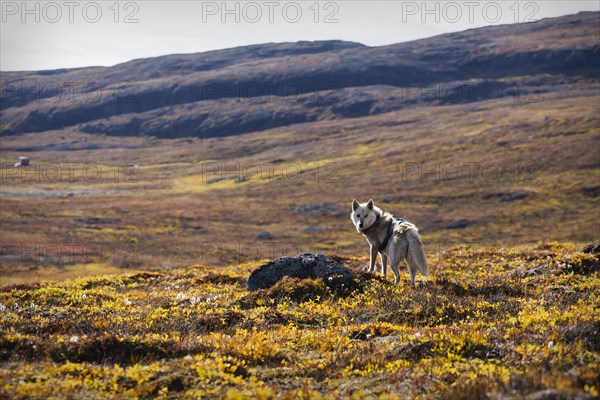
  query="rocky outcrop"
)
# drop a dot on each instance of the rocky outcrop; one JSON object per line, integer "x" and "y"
{"x": 303, "y": 266}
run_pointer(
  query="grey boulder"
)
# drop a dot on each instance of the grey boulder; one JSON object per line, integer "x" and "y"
{"x": 302, "y": 266}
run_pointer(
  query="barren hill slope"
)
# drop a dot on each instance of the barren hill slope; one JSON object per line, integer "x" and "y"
{"x": 253, "y": 88}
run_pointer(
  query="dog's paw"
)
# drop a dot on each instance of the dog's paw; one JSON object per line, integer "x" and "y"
{"x": 366, "y": 268}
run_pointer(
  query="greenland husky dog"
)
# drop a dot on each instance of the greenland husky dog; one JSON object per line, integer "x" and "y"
{"x": 393, "y": 238}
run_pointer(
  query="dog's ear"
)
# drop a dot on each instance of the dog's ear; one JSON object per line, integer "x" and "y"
{"x": 370, "y": 204}
{"x": 354, "y": 205}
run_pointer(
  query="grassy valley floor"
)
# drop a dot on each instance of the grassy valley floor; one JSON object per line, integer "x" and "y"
{"x": 93, "y": 203}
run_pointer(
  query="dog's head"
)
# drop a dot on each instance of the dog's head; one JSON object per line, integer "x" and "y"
{"x": 364, "y": 215}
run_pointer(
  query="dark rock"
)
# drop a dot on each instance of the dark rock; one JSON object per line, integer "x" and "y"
{"x": 303, "y": 266}
{"x": 588, "y": 332}
{"x": 582, "y": 265}
{"x": 512, "y": 196}
{"x": 491, "y": 196}
{"x": 592, "y": 248}
{"x": 592, "y": 191}
{"x": 506, "y": 196}
{"x": 460, "y": 224}
{"x": 388, "y": 199}
{"x": 414, "y": 351}
{"x": 264, "y": 235}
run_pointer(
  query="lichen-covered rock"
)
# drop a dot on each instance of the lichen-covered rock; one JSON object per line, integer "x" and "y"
{"x": 303, "y": 266}
{"x": 592, "y": 248}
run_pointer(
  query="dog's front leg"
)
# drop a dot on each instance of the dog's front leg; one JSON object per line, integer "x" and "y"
{"x": 373, "y": 259}
{"x": 384, "y": 264}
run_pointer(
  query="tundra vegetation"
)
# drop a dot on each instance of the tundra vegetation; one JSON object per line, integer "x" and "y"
{"x": 489, "y": 323}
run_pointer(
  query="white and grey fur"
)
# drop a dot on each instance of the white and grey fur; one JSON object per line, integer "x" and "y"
{"x": 404, "y": 244}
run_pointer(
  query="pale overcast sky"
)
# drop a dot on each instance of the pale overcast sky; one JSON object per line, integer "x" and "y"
{"x": 67, "y": 33}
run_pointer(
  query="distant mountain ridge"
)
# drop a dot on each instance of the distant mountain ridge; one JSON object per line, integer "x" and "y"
{"x": 253, "y": 88}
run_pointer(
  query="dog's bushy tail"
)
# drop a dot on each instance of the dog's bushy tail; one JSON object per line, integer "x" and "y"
{"x": 416, "y": 252}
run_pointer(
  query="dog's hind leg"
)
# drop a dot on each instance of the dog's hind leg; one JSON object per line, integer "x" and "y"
{"x": 395, "y": 263}
{"x": 416, "y": 262}
{"x": 412, "y": 269}
{"x": 384, "y": 264}
{"x": 416, "y": 256}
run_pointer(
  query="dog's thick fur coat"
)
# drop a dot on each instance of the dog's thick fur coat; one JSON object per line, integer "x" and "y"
{"x": 403, "y": 244}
